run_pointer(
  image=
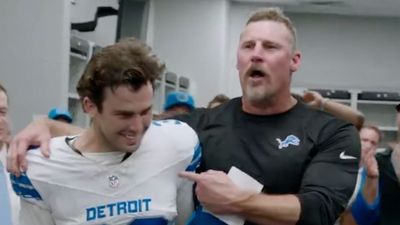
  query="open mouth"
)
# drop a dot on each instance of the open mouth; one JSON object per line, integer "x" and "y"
{"x": 256, "y": 73}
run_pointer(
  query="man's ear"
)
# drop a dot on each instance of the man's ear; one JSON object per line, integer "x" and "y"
{"x": 295, "y": 61}
{"x": 89, "y": 106}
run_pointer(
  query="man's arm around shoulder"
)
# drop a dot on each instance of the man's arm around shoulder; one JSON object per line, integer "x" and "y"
{"x": 37, "y": 133}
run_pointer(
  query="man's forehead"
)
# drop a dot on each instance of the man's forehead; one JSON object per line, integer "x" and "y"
{"x": 125, "y": 98}
{"x": 368, "y": 131}
{"x": 3, "y": 100}
{"x": 264, "y": 29}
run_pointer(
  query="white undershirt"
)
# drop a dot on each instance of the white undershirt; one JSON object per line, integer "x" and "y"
{"x": 105, "y": 158}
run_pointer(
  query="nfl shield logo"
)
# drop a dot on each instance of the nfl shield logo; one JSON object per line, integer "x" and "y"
{"x": 114, "y": 181}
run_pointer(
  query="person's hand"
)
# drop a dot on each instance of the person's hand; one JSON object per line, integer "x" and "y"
{"x": 216, "y": 191}
{"x": 36, "y": 133}
{"x": 369, "y": 162}
{"x": 313, "y": 99}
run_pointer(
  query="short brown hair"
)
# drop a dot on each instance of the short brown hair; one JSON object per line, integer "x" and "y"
{"x": 276, "y": 15}
{"x": 374, "y": 128}
{"x": 221, "y": 98}
{"x": 128, "y": 62}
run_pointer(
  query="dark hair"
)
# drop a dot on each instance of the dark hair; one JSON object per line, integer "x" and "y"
{"x": 221, "y": 98}
{"x": 128, "y": 62}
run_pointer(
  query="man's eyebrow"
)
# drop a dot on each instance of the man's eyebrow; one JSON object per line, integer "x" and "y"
{"x": 122, "y": 111}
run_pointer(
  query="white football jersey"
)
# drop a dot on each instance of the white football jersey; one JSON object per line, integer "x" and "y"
{"x": 69, "y": 188}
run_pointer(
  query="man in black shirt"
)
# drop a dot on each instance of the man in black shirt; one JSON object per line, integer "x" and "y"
{"x": 306, "y": 160}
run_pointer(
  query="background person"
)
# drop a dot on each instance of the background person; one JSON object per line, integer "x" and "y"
{"x": 365, "y": 209}
{"x": 60, "y": 115}
{"x": 342, "y": 111}
{"x": 217, "y": 101}
{"x": 9, "y": 202}
{"x": 176, "y": 103}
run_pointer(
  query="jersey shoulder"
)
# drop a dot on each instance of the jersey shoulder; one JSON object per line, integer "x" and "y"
{"x": 40, "y": 168}
{"x": 174, "y": 130}
{"x": 180, "y": 139}
{"x": 59, "y": 152}
{"x": 58, "y": 165}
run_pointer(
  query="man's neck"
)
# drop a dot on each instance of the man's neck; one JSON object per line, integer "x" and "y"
{"x": 274, "y": 106}
{"x": 89, "y": 141}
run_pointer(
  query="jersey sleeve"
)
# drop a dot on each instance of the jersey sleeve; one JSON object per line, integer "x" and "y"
{"x": 189, "y": 144}
{"x": 185, "y": 198}
{"x": 330, "y": 179}
{"x": 34, "y": 210}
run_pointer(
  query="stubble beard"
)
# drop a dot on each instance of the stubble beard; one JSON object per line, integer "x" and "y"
{"x": 257, "y": 94}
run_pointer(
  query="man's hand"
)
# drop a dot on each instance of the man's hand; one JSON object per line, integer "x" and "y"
{"x": 313, "y": 99}
{"x": 36, "y": 133}
{"x": 369, "y": 162}
{"x": 216, "y": 191}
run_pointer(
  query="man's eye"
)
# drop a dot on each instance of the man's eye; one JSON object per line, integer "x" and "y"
{"x": 270, "y": 46}
{"x": 145, "y": 112}
{"x": 248, "y": 45}
{"x": 124, "y": 115}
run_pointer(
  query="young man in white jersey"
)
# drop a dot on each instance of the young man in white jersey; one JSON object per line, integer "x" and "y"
{"x": 124, "y": 168}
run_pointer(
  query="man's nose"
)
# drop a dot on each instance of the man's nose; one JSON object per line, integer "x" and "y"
{"x": 136, "y": 124}
{"x": 256, "y": 54}
{"x": 3, "y": 122}
{"x": 367, "y": 146}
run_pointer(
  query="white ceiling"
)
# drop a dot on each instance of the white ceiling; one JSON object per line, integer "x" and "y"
{"x": 385, "y": 8}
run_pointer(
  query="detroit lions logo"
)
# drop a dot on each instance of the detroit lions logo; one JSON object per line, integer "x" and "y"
{"x": 289, "y": 140}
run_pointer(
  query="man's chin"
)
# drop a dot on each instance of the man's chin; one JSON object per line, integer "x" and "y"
{"x": 132, "y": 148}
{"x": 256, "y": 95}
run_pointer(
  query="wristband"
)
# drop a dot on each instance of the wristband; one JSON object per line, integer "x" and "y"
{"x": 323, "y": 103}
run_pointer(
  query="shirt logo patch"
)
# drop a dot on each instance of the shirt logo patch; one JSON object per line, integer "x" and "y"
{"x": 289, "y": 140}
{"x": 344, "y": 156}
{"x": 113, "y": 181}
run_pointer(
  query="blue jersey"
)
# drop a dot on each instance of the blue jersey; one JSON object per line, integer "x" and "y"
{"x": 69, "y": 188}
